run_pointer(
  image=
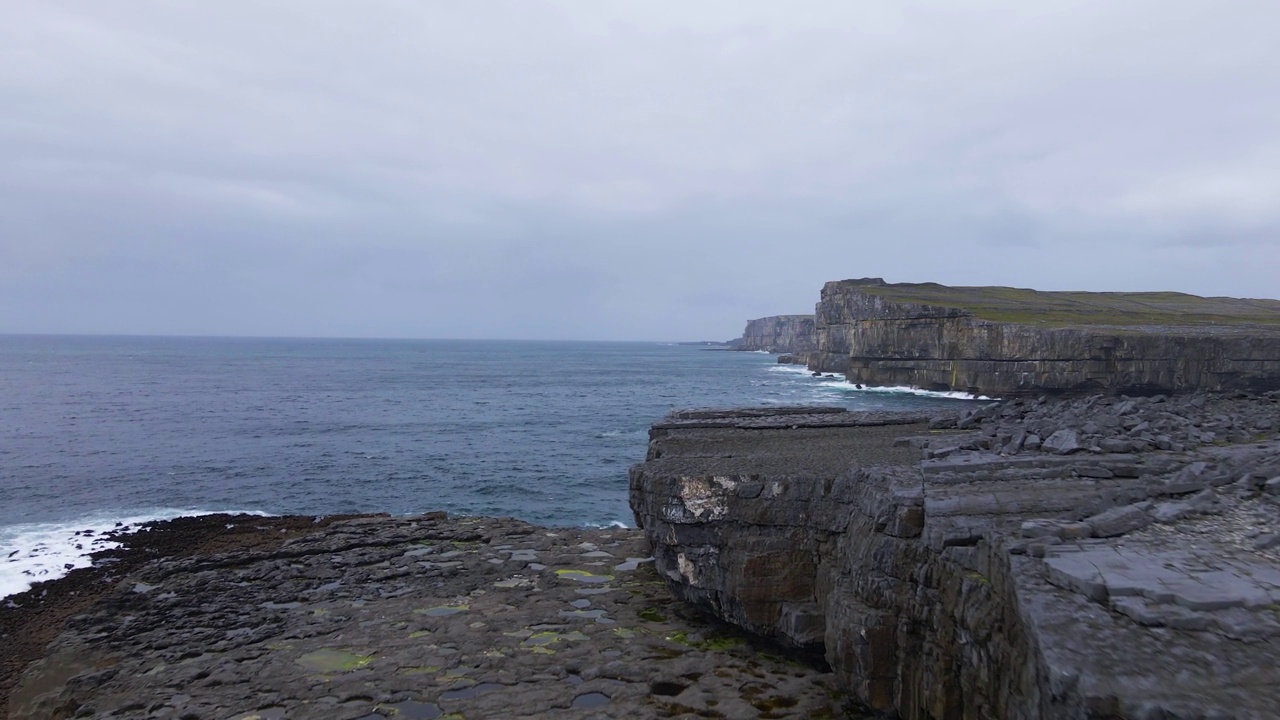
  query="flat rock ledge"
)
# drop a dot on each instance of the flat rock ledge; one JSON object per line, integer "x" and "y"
{"x": 422, "y": 617}
{"x": 1107, "y": 557}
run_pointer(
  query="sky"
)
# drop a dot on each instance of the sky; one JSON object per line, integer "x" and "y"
{"x": 611, "y": 170}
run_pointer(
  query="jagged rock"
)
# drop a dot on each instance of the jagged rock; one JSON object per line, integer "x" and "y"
{"x": 968, "y": 585}
{"x": 1062, "y": 442}
{"x": 1118, "y": 521}
{"x": 1266, "y": 542}
{"x": 1192, "y": 478}
{"x": 1168, "y": 512}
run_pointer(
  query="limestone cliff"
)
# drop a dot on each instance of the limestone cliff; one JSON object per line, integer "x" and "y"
{"x": 780, "y": 334}
{"x": 1085, "y": 560}
{"x": 1009, "y": 342}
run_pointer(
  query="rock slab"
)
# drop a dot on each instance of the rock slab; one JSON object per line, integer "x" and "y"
{"x": 978, "y": 584}
{"x": 421, "y": 617}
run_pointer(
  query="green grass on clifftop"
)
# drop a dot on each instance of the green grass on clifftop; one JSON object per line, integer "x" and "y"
{"x": 1036, "y": 307}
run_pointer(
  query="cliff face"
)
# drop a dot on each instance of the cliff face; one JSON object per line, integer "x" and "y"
{"x": 1089, "y": 559}
{"x": 1008, "y": 342}
{"x": 780, "y": 334}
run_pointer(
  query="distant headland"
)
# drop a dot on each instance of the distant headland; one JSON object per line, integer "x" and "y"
{"x": 1008, "y": 342}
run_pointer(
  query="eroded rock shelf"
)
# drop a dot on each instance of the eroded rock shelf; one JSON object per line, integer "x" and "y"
{"x": 1099, "y": 558}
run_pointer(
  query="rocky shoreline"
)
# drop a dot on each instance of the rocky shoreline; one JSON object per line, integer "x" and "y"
{"x": 1104, "y": 557}
{"x": 377, "y": 617}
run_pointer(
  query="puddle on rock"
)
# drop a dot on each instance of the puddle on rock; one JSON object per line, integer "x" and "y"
{"x": 597, "y": 615}
{"x": 543, "y": 638}
{"x": 515, "y": 582}
{"x": 333, "y": 661}
{"x": 632, "y": 564}
{"x": 590, "y": 700}
{"x": 584, "y": 576}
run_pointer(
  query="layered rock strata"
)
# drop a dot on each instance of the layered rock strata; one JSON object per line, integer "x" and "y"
{"x": 780, "y": 334}
{"x": 1103, "y": 558}
{"x": 419, "y": 617}
{"x": 1009, "y": 342}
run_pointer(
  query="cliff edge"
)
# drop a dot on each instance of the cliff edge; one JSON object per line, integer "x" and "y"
{"x": 780, "y": 334}
{"x": 1098, "y": 558}
{"x": 1011, "y": 342}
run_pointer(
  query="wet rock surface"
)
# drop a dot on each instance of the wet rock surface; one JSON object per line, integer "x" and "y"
{"x": 970, "y": 567}
{"x": 422, "y": 617}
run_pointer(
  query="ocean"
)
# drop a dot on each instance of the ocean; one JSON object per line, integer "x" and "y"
{"x": 102, "y": 432}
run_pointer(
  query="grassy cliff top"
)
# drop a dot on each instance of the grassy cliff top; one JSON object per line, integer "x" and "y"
{"x": 1038, "y": 307}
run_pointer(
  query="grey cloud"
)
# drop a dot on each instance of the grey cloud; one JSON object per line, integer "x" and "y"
{"x": 617, "y": 170}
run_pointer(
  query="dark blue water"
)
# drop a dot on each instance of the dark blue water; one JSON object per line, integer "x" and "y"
{"x": 98, "y": 428}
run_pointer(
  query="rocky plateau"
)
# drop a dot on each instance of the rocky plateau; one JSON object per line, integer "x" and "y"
{"x": 1009, "y": 342}
{"x": 1103, "y": 557}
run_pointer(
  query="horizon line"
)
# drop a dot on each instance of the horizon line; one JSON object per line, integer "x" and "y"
{"x": 182, "y": 336}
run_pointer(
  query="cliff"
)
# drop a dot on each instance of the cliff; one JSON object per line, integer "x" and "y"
{"x": 1101, "y": 558}
{"x": 780, "y": 334}
{"x": 1012, "y": 342}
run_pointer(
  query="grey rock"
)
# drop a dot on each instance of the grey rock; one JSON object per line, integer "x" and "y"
{"x": 1118, "y": 521}
{"x": 1115, "y": 445}
{"x": 1192, "y": 478}
{"x": 472, "y": 643}
{"x": 1062, "y": 442}
{"x": 1266, "y": 542}
{"x": 1204, "y": 501}
{"x": 1028, "y": 616}
{"x": 1168, "y": 512}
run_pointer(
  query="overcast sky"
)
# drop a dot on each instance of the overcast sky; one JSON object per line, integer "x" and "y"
{"x": 618, "y": 170}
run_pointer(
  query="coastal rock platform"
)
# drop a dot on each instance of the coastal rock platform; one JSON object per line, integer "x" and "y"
{"x": 377, "y": 617}
{"x": 1106, "y": 557}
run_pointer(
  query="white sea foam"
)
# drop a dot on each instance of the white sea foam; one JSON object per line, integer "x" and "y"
{"x": 609, "y": 525}
{"x": 791, "y": 369}
{"x": 846, "y": 386}
{"x": 32, "y": 552}
{"x": 620, "y": 433}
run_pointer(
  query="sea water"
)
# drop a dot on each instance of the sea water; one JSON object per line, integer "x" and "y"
{"x": 104, "y": 432}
